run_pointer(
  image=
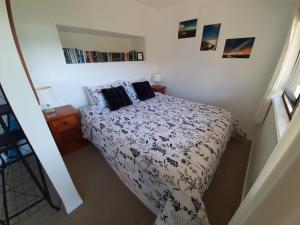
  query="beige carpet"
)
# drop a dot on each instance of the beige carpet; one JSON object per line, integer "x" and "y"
{"x": 223, "y": 196}
{"x": 107, "y": 201}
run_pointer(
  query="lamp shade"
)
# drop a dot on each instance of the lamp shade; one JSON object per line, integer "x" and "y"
{"x": 156, "y": 77}
{"x": 46, "y": 95}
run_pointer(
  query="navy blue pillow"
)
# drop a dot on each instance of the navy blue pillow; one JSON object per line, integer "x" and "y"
{"x": 143, "y": 90}
{"x": 116, "y": 97}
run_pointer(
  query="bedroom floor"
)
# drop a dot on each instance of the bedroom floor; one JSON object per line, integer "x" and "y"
{"x": 109, "y": 202}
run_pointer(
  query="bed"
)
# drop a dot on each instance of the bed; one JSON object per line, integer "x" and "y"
{"x": 165, "y": 149}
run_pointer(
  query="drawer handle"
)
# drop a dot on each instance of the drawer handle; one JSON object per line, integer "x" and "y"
{"x": 65, "y": 122}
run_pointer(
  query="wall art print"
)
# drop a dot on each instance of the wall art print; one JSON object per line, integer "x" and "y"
{"x": 238, "y": 47}
{"x": 187, "y": 29}
{"x": 210, "y": 37}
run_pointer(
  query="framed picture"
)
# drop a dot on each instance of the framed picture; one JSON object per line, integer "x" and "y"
{"x": 187, "y": 29}
{"x": 210, "y": 37}
{"x": 238, "y": 47}
{"x": 140, "y": 56}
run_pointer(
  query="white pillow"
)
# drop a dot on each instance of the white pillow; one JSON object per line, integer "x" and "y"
{"x": 95, "y": 96}
{"x": 130, "y": 90}
{"x": 89, "y": 96}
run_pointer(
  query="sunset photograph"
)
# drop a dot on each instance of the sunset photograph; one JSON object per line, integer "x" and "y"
{"x": 238, "y": 47}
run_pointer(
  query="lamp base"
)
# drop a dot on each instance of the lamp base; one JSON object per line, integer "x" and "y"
{"x": 49, "y": 110}
{"x": 155, "y": 84}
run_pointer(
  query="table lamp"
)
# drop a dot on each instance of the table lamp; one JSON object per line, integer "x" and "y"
{"x": 156, "y": 78}
{"x": 47, "y": 98}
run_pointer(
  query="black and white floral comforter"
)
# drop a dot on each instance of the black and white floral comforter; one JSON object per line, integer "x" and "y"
{"x": 166, "y": 151}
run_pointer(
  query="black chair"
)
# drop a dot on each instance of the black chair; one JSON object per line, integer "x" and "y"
{"x": 12, "y": 142}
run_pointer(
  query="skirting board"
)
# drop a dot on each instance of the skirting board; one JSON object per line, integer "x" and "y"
{"x": 247, "y": 172}
{"x": 74, "y": 206}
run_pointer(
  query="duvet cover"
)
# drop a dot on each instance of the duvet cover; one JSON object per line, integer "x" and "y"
{"x": 165, "y": 149}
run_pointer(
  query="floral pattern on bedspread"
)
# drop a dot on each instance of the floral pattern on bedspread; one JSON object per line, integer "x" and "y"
{"x": 166, "y": 148}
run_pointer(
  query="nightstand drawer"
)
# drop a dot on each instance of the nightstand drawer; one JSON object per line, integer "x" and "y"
{"x": 159, "y": 88}
{"x": 65, "y": 128}
{"x": 64, "y": 124}
{"x": 69, "y": 140}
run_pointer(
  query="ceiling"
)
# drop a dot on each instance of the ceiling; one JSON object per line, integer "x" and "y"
{"x": 158, "y": 4}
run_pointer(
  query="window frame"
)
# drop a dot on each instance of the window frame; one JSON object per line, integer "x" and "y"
{"x": 288, "y": 97}
{"x": 293, "y": 103}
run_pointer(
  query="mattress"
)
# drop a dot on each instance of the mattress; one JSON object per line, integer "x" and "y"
{"x": 165, "y": 149}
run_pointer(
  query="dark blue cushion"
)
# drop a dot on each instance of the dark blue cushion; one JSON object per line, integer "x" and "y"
{"x": 116, "y": 97}
{"x": 143, "y": 90}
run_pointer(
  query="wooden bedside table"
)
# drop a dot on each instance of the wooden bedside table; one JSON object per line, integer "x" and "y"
{"x": 159, "y": 88}
{"x": 65, "y": 127}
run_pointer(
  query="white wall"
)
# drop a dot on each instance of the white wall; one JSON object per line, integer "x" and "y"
{"x": 282, "y": 203}
{"x": 28, "y": 113}
{"x": 36, "y": 27}
{"x": 263, "y": 146}
{"x": 94, "y": 42}
{"x": 274, "y": 198}
{"x": 236, "y": 84}
{"x": 271, "y": 129}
